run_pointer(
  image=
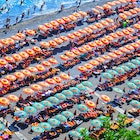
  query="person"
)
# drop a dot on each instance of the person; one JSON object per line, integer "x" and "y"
{"x": 61, "y": 8}
{"x": 34, "y": 8}
{"x": 42, "y": 6}
{"x": 16, "y": 20}
{"x": 21, "y": 2}
{"x": 28, "y": 12}
{"x": 22, "y": 16}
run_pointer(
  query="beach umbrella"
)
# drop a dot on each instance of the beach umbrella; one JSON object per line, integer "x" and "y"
{"x": 80, "y": 129}
{"x": 112, "y": 72}
{"x": 45, "y": 126}
{"x": 112, "y": 55}
{"x": 17, "y": 57}
{"x": 136, "y": 82}
{"x": 100, "y": 60}
{"x": 30, "y": 32}
{"x": 135, "y": 104}
{"x": 26, "y": 72}
{"x": 46, "y": 63}
{"x": 82, "y": 108}
{"x": 126, "y": 68}
{"x": 24, "y": 55}
{"x": 81, "y": 87}
{"x": 21, "y": 114}
{"x": 28, "y": 91}
{"x": 88, "y": 66}
{"x": 19, "y": 75}
{"x": 36, "y": 87}
{"x": 67, "y": 93}
{"x": 4, "y": 82}
{"x": 51, "y": 81}
{"x": 43, "y": 84}
{"x": 58, "y": 40}
{"x": 70, "y": 54}
{"x": 4, "y": 101}
{"x": 44, "y": 45}
{"x": 9, "y": 59}
{"x": 96, "y": 123}
{"x": 135, "y": 61}
{"x": 120, "y": 70}
{"x": 10, "y": 77}
{"x": 90, "y": 104}
{"x": 38, "y": 106}
{"x": 64, "y": 76}
{"x": 107, "y": 75}
{"x": 82, "y": 68}
{"x": 32, "y": 69}
{"x": 30, "y": 52}
{"x": 53, "y": 61}
{"x": 92, "y": 44}
{"x": 36, "y": 49}
{"x": 94, "y": 62}
{"x": 13, "y": 98}
{"x": 52, "y": 43}
{"x": 75, "y": 134}
{"x": 136, "y": 124}
{"x": 131, "y": 85}
{"x": 57, "y": 79}
{"x": 118, "y": 90}
{"x": 53, "y": 100}
{"x": 46, "y": 103}
{"x": 38, "y": 129}
{"x": 105, "y": 98}
{"x": 61, "y": 118}
{"x": 131, "y": 65}
{"x": 87, "y": 83}
{"x": 2, "y": 127}
{"x": 40, "y": 68}
{"x": 67, "y": 114}
{"x": 75, "y": 90}
{"x": 30, "y": 110}
{"x": 60, "y": 96}
{"x": 64, "y": 57}
{"x": 138, "y": 58}
{"x": 53, "y": 122}
{"x": 82, "y": 50}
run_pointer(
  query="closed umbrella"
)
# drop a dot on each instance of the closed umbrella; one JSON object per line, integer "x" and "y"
{"x": 53, "y": 122}
{"x": 135, "y": 104}
{"x": 131, "y": 65}
{"x": 82, "y": 108}
{"x": 60, "y": 96}
{"x": 30, "y": 110}
{"x": 61, "y": 118}
{"x": 38, "y": 129}
{"x": 81, "y": 87}
{"x": 75, "y": 134}
{"x": 118, "y": 90}
{"x": 21, "y": 114}
{"x": 38, "y": 106}
{"x": 135, "y": 61}
{"x": 136, "y": 82}
{"x": 75, "y": 90}
{"x": 87, "y": 83}
{"x": 107, "y": 75}
{"x": 67, "y": 93}
{"x": 67, "y": 114}
{"x": 96, "y": 123}
{"x": 46, "y": 103}
{"x": 131, "y": 85}
{"x": 45, "y": 126}
{"x": 53, "y": 100}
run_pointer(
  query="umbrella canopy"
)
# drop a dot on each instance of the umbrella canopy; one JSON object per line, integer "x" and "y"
{"x": 120, "y": 70}
{"x": 96, "y": 123}
{"x": 38, "y": 129}
{"x": 75, "y": 90}
{"x": 4, "y": 101}
{"x": 64, "y": 76}
{"x": 13, "y": 98}
{"x": 105, "y": 98}
{"x": 90, "y": 104}
{"x": 38, "y": 106}
{"x": 60, "y": 96}
{"x": 28, "y": 91}
{"x": 53, "y": 122}
{"x": 118, "y": 90}
{"x": 61, "y": 118}
{"x": 30, "y": 110}
{"x": 36, "y": 87}
{"x": 131, "y": 85}
{"x": 82, "y": 108}
{"x": 67, "y": 114}
{"x": 2, "y": 127}
{"x": 112, "y": 72}
{"x": 45, "y": 126}
{"x": 53, "y": 100}
{"x": 136, "y": 125}
{"x": 75, "y": 134}
{"x": 87, "y": 83}
{"x": 135, "y": 104}
{"x": 136, "y": 82}
{"x": 80, "y": 129}
{"x": 107, "y": 75}
{"x": 46, "y": 103}
{"x": 67, "y": 93}
{"x": 135, "y": 61}
{"x": 131, "y": 65}
{"x": 21, "y": 114}
{"x": 81, "y": 87}
{"x": 126, "y": 68}
{"x": 138, "y": 58}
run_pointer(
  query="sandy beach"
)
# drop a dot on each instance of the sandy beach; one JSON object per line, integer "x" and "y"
{"x": 33, "y": 24}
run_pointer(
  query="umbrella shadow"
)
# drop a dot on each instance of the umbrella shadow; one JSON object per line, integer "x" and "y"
{"x": 22, "y": 126}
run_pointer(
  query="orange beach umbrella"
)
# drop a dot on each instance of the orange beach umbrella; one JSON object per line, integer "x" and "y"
{"x": 4, "y": 101}
{"x": 13, "y": 98}
{"x": 64, "y": 76}
{"x": 28, "y": 91}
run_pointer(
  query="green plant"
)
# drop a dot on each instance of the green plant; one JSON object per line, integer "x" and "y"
{"x": 84, "y": 135}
